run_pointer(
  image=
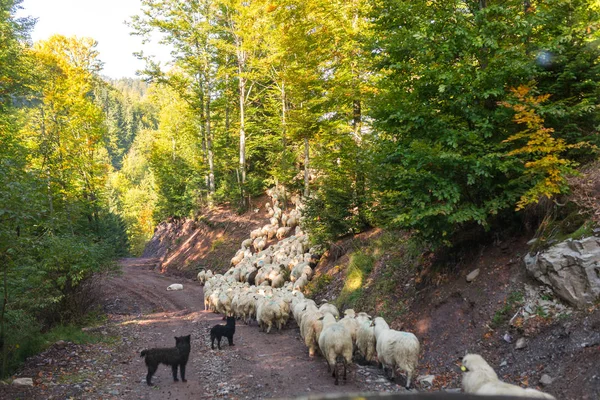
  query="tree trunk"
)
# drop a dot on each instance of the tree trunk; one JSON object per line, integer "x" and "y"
{"x": 283, "y": 115}
{"x": 357, "y": 118}
{"x": 209, "y": 149}
{"x": 226, "y": 93}
{"x": 242, "y": 168}
{"x": 3, "y": 346}
{"x": 306, "y": 166}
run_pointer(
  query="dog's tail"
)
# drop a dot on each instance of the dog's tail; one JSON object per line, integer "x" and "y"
{"x": 143, "y": 353}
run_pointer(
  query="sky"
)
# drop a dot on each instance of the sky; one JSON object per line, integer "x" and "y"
{"x": 102, "y": 20}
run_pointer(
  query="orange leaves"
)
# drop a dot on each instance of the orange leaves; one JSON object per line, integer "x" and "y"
{"x": 541, "y": 150}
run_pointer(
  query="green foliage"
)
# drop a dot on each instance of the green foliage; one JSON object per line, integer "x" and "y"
{"x": 331, "y": 211}
{"x": 56, "y": 231}
{"x": 441, "y": 160}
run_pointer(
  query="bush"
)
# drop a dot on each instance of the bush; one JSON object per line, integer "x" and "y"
{"x": 24, "y": 338}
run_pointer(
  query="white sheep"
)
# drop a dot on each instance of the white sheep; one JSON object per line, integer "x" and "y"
{"x": 351, "y": 324}
{"x": 301, "y": 282}
{"x": 224, "y": 303}
{"x": 299, "y": 269}
{"x": 292, "y": 222}
{"x": 335, "y": 343}
{"x": 329, "y": 308}
{"x": 201, "y": 277}
{"x": 479, "y": 378}
{"x": 272, "y": 232}
{"x": 259, "y": 243}
{"x": 310, "y": 330}
{"x": 282, "y": 232}
{"x": 268, "y": 313}
{"x": 301, "y": 307}
{"x": 256, "y": 233}
{"x": 396, "y": 350}
{"x": 175, "y": 286}
{"x": 239, "y": 256}
{"x": 365, "y": 341}
{"x": 246, "y": 243}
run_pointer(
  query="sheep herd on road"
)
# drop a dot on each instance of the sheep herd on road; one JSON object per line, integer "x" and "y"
{"x": 265, "y": 283}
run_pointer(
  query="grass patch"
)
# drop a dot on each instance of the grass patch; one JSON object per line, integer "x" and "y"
{"x": 216, "y": 244}
{"x": 360, "y": 266}
{"x": 515, "y": 299}
{"x": 71, "y": 333}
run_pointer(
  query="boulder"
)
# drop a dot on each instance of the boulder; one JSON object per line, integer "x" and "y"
{"x": 571, "y": 268}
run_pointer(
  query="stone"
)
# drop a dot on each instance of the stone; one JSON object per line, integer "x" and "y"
{"x": 60, "y": 344}
{"x": 426, "y": 379}
{"x": 507, "y": 338}
{"x": 571, "y": 268}
{"x": 503, "y": 363}
{"x": 474, "y": 274}
{"x": 521, "y": 344}
{"x": 23, "y": 382}
{"x": 545, "y": 380}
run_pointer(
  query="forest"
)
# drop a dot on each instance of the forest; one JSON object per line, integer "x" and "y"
{"x": 441, "y": 118}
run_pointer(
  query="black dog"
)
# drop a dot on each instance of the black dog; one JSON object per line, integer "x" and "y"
{"x": 174, "y": 356}
{"x": 218, "y": 331}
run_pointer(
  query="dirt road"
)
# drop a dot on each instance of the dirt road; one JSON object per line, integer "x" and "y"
{"x": 258, "y": 366}
{"x": 143, "y": 314}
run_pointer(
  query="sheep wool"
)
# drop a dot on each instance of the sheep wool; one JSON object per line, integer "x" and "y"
{"x": 329, "y": 308}
{"x": 335, "y": 343}
{"x": 310, "y": 330}
{"x": 481, "y": 379}
{"x": 365, "y": 341}
{"x": 396, "y": 350}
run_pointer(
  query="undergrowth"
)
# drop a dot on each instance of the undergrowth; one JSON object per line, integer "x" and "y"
{"x": 377, "y": 272}
{"x": 28, "y": 340}
{"x": 513, "y": 301}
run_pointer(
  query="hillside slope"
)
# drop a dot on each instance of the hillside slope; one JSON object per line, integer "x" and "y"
{"x": 383, "y": 274}
{"x": 186, "y": 246}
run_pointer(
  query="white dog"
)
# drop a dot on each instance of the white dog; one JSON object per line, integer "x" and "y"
{"x": 175, "y": 286}
{"x": 480, "y": 378}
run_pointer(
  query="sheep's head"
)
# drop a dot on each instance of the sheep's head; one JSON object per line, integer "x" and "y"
{"x": 474, "y": 362}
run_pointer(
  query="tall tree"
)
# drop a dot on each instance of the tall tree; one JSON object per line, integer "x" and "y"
{"x": 189, "y": 28}
{"x": 67, "y": 129}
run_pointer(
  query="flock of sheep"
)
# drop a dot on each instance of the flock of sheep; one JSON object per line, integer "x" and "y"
{"x": 265, "y": 284}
